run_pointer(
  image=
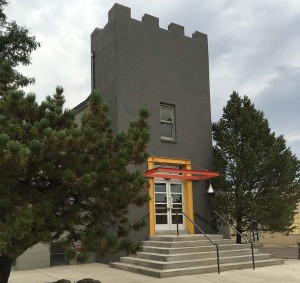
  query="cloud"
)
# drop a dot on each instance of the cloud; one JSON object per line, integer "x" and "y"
{"x": 254, "y": 51}
{"x": 63, "y": 28}
{"x": 280, "y": 103}
{"x": 253, "y": 48}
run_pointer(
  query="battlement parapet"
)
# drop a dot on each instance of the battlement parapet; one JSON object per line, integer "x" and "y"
{"x": 96, "y": 31}
{"x": 176, "y": 29}
{"x": 119, "y": 11}
{"x": 150, "y": 20}
{"x": 124, "y": 13}
{"x": 199, "y": 35}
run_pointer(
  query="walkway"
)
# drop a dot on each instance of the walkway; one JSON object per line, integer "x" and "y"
{"x": 288, "y": 273}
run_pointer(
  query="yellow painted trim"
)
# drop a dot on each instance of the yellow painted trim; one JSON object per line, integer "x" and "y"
{"x": 189, "y": 205}
{"x": 168, "y": 160}
{"x": 188, "y": 193}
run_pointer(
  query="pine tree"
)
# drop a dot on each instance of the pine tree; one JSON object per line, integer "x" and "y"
{"x": 60, "y": 183}
{"x": 259, "y": 183}
{"x": 16, "y": 45}
{"x": 63, "y": 183}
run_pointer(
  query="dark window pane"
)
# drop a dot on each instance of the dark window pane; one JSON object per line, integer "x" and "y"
{"x": 177, "y": 207}
{"x": 174, "y": 210}
{"x": 160, "y": 198}
{"x": 160, "y": 208}
{"x": 160, "y": 187}
{"x": 166, "y": 130}
{"x": 161, "y": 219}
{"x": 166, "y": 113}
{"x": 175, "y": 188}
{"x": 177, "y": 198}
{"x": 167, "y": 119}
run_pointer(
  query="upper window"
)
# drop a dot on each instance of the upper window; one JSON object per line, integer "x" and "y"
{"x": 93, "y": 70}
{"x": 167, "y": 122}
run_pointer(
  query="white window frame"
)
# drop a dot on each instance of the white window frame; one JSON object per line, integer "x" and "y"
{"x": 173, "y": 138}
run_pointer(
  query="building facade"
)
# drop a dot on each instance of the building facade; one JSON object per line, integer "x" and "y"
{"x": 137, "y": 64}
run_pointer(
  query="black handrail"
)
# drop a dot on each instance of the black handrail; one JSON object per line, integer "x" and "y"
{"x": 207, "y": 222}
{"x": 215, "y": 244}
{"x": 234, "y": 228}
{"x": 140, "y": 218}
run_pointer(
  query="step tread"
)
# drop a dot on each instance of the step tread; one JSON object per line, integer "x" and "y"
{"x": 189, "y": 242}
{"x": 177, "y": 248}
{"x": 174, "y": 238}
{"x": 177, "y": 270}
{"x": 172, "y": 232}
{"x": 184, "y": 254}
{"x": 170, "y": 236}
{"x": 192, "y": 260}
{"x": 223, "y": 265}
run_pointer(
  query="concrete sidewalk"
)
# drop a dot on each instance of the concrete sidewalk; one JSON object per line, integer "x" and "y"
{"x": 288, "y": 273}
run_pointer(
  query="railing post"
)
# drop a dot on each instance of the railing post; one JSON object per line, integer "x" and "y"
{"x": 218, "y": 258}
{"x": 253, "y": 263}
{"x": 247, "y": 240}
{"x": 209, "y": 222}
{"x": 217, "y": 246}
{"x": 177, "y": 220}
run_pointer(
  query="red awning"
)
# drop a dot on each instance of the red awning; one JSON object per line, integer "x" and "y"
{"x": 184, "y": 174}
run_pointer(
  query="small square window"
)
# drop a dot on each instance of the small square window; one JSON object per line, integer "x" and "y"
{"x": 167, "y": 122}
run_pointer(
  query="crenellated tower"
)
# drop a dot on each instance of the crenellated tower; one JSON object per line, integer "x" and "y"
{"x": 139, "y": 64}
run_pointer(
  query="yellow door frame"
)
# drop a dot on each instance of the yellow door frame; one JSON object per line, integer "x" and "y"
{"x": 188, "y": 192}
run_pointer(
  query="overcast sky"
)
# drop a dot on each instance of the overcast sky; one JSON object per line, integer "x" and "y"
{"x": 254, "y": 48}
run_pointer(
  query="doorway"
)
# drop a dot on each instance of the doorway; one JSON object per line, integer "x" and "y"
{"x": 168, "y": 199}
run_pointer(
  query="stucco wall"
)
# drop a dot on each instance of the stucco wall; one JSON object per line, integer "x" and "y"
{"x": 148, "y": 65}
{"x": 279, "y": 239}
{"x": 36, "y": 257}
{"x": 154, "y": 65}
{"x": 138, "y": 64}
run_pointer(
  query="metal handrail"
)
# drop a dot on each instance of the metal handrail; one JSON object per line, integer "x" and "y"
{"x": 140, "y": 218}
{"x": 234, "y": 228}
{"x": 206, "y": 221}
{"x": 215, "y": 244}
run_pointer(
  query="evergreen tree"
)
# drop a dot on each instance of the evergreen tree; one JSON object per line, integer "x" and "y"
{"x": 259, "y": 182}
{"x": 63, "y": 183}
{"x": 16, "y": 45}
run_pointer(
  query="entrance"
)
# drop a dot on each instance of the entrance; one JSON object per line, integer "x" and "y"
{"x": 168, "y": 198}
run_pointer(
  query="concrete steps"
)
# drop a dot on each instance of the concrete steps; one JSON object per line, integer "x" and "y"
{"x": 182, "y": 238}
{"x": 171, "y": 255}
{"x": 190, "y": 270}
{"x": 191, "y": 256}
{"x": 171, "y": 232}
{"x": 181, "y": 263}
{"x": 181, "y": 244}
{"x": 209, "y": 248}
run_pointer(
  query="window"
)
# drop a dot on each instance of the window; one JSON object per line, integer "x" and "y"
{"x": 167, "y": 122}
{"x": 93, "y": 70}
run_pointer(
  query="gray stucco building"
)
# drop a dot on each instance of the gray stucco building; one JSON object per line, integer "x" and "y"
{"x": 137, "y": 64}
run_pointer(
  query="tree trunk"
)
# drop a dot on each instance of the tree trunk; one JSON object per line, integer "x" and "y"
{"x": 239, "y": 230}
{"x": 238, "y": 237}
{"x": 5, "y": 268}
